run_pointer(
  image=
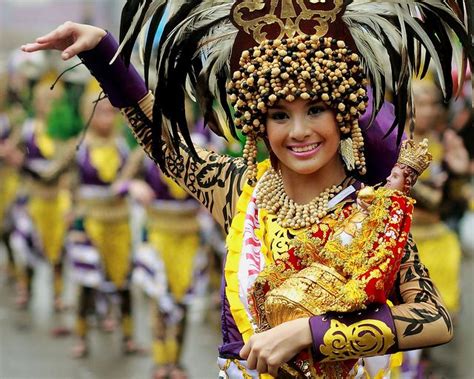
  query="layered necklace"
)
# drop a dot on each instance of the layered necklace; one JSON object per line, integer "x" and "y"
{"x": 272, "y": 197}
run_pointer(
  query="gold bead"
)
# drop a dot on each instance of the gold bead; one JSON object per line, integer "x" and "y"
{"x": 275, "y": 72}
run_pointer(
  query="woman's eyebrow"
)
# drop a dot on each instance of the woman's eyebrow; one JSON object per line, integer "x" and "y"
{"x": 277, "y": 108}
{"x": 316, "y": 102}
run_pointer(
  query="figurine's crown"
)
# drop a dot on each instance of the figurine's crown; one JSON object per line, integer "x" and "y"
{"x": 415, "y": 155}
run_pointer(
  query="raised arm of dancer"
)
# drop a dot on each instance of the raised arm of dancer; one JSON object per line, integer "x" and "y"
{"x": 214, "y": 180}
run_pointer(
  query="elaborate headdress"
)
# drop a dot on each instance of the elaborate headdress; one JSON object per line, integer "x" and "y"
{"x": 261, "y": 51}
{"x": 415, "y": 155}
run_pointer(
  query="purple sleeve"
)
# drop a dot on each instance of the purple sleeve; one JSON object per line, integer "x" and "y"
{"x": 123, "y": 85}
{"x": 342, "y": 336}
{"x": 381, "y": 153}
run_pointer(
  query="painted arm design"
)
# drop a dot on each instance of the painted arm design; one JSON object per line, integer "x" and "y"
{"x": 419, "y": 319}
{"x": 215, "y": 180}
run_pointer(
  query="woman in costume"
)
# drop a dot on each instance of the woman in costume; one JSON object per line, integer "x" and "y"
{"x": 9, "y": 135}
{"x": 44, "y": 160}
{"x": 173, "y": 233}
{"x": 101, "y": 243}
{"x": 303, "y": 90}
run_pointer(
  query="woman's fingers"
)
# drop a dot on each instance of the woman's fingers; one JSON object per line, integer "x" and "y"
{"x": 73, "y": 50}
{"x": 32, "y": 47}
{"x": 259, "y": 360}
{"x": 70, "y": 38}
{"x": 60, "y": 38}
{"x": 262, "y": 366}
{"x": 54, "y": 35}
{"x": 268, "y": 350}
{"x": 273, "y": 370}
{"x": 245, "y": 351}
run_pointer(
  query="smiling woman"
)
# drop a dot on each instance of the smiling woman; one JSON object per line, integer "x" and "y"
{"x": 296, "y": 73}
{"x": 304, "y": 137}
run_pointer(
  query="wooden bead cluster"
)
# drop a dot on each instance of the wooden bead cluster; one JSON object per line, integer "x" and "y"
{"x": 306, "y": 67}
{"x": 250, "y": 155}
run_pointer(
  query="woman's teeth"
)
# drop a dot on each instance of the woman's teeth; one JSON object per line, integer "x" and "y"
{"x": 303, "y": 149}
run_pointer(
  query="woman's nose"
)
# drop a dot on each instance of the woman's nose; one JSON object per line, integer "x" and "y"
{"x": 299, "y": 130}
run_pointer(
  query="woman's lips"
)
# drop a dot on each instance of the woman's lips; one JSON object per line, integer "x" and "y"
{"x": 304, "y": 151}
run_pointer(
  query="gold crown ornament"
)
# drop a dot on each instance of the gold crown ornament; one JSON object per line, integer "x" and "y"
{"x": 415, "y": 155}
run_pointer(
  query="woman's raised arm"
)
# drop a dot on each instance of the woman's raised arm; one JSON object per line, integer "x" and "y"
{"x": 213, "y": 179}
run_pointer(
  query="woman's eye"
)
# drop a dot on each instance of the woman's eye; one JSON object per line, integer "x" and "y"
{"x": 278, "y": 115}
{"x": 315, "y": 110}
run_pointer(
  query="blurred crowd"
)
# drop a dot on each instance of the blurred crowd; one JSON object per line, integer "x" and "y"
{"x": 78, "y": 194}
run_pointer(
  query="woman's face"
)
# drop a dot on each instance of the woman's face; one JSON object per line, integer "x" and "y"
{"x": 103, "y": 122}
{"x": 43, "y": 99}
{"x": 303, "y": 135}
{"x": 428, "y": 108}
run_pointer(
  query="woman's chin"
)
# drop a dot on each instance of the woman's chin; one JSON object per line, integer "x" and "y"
{"x": 303, "y": 168}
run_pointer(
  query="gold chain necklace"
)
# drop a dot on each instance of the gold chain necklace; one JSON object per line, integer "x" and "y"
{"x": 272, "y": 197}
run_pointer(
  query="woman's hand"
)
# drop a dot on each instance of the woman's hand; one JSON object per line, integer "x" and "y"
{"x": 455, "y": 154}
{"x": 11, "y": 154}
{"x": 141, "y": 192}
{"x": 268, "y": 350}
{"x": 70, "y": 38}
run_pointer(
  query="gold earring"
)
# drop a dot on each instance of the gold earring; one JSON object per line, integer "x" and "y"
{"x": 347, "y": 153}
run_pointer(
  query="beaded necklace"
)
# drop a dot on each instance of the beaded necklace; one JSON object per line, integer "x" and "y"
{"x": 272, "y": 197}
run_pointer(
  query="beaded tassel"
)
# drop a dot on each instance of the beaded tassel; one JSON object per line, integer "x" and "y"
{"x": 250, "y": 156}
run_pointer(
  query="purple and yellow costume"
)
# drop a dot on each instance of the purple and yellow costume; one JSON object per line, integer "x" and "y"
{"x": 41, "y": 227}
{"x": 219, "y": 184}
{"x": 173, "y": 233}
{"x": 103, "y": 250}
{"x": 8, "y": 175}
{"x": 10, "y": 180}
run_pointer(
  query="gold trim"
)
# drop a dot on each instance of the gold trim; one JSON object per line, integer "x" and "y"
{"x": 288, "y": 21}
{"x": 360, "y": 339}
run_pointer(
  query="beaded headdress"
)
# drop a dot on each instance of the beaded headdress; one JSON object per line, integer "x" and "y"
{"x": 415, "y": 155}
{"x": 255, "y": 53}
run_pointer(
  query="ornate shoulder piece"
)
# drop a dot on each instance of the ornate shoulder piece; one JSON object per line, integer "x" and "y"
{"x": 415, "y": 155}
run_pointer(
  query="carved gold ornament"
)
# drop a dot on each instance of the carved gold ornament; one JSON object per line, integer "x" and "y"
{"x": 284, "y": 17}
{"x": 361, "y": 339}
